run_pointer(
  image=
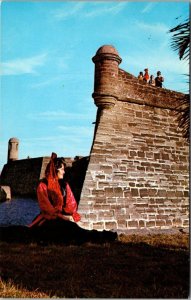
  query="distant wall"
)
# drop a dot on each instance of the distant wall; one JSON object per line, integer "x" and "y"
{"x": 137, "y": 177}
{"x": 23, "y": 175}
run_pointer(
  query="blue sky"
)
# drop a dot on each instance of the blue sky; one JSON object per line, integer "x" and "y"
{"x": 47, "y": 71}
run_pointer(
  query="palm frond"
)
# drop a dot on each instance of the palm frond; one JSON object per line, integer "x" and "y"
{"x": 183, "y": 117}
{"x": 181, "y": 39}
{"x": 181, "y": 43}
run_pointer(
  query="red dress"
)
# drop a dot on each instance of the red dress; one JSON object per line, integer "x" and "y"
{"x": 53, "y": 206}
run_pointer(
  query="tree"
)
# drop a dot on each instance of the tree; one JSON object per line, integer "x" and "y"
{"x": 181, "y": 43}
{"x": 181, "y": 39}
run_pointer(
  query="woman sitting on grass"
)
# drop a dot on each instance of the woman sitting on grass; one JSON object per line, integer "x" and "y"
{"x": 58, "y": 208}
{"x": 54, "y": 194}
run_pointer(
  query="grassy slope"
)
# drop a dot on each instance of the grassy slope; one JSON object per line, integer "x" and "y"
{"x": 153, "y": 266}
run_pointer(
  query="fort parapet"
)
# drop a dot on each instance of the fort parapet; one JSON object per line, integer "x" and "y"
{"x": 137, "y": 176}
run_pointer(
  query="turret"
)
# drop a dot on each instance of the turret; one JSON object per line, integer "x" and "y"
{"x": 13, "y": 148}
{"x": 107, "y": 62}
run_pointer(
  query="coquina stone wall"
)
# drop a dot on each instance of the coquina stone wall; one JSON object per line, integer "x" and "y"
{"x": 137, "y": 177}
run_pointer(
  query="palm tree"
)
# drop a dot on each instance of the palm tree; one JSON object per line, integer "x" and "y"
{"x": 181, "y": 39}
{"x": 181, "y": 43}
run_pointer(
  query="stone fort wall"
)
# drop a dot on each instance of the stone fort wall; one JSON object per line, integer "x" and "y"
{"x": 137, "y": 177}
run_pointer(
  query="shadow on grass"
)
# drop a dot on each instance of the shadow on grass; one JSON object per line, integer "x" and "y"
{"x": 55, "y": 232}
{"x": 97, "y": 270}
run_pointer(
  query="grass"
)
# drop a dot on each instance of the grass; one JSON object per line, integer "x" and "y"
{"x": 151, "y": 266}
{"x": 10, "y": 290}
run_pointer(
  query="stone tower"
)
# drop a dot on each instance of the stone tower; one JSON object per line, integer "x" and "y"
{"x": 13, "y": 147}
{"x": 107, "y": 62}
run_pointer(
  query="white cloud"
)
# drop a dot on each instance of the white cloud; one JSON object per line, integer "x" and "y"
{"x": 81, "y": 9}
{"x": 47, "y": 82}
{"x": 105, "y": 9}
{"x": 64, "y": 13}
{"x": 59, "y": 115}
{"x": 157, "y": 28}
{"x": 23, "y": 65}
{"x": 148, "y": 7}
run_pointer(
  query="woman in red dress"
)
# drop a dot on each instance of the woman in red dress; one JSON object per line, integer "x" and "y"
{"x": 55, "y": 197}
{"x": 57, "y": 221}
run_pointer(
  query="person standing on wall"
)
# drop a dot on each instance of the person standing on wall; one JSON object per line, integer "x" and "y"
{"x": 159, "y": 79}
{"x": 152, "y": 80}
{"x": 140, "y": 76}
{"x": 146, "y": 75}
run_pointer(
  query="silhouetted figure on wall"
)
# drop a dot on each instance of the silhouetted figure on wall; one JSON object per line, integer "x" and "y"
{"x": 159, "y": 79}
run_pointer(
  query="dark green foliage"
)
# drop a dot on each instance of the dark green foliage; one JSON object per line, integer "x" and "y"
{"x": 181, "y": 43}
{"x": 181, "y": 39}
{"x": 184, "y": 117}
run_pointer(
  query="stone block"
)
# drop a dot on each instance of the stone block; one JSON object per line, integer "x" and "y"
{"x": 151, "y": 224}
{"x": 110, "y": 225}
{"x": 160, "y": 223}
{"x": 98, "y": 193}
{"x": 5, "y": 193}
{"x": 109, "y": 192}
{"x": 141, "y": 154}
{"x": 141, "y": 223}
{"x": 92, "y": 217}
{"x": 106, "y": 169}
{"x": 144, "y": 192}
{"x": 177, "y": 222}
{"x": 134, "y": 192}
{"x": 104, "y": 215}
{"x": 133, "y": 224}
{"x": 98, "y": 225}
{"x": 186, "y": 223}
{"x": 168, "y": 223}
{"x": 161, "y": 193}
{"x": 118, "y": 192}
{"x": 122, "y": 224}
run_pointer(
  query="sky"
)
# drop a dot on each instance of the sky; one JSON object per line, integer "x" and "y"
{"x": 47, "y": 73}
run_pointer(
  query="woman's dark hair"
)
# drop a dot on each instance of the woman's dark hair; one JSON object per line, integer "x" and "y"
{"x": 54, "y": 164}
{"x": 58, "y": 162}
